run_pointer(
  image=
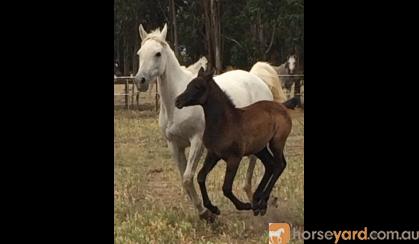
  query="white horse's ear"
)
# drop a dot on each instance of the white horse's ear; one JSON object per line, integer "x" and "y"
{"x": 164, "y": 32}
{"x": 143, "y": 33}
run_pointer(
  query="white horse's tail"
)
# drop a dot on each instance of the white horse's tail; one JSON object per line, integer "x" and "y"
{"x": 268, "y": 74}
{"x": 194, "y": 68}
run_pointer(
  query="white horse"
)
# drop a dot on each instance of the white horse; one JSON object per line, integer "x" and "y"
{"x": 287, "y": 68}
{"x": 185, "y": 127}
{"x": 278, "y": 234}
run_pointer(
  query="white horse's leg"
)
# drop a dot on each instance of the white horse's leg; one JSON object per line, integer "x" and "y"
{"x": 178, "y": 155}
{"x": 248, "y": 181}
{"x": 195, "y": 153}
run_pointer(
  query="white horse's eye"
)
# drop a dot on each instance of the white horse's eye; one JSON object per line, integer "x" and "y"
{"x": 158, "y": 54}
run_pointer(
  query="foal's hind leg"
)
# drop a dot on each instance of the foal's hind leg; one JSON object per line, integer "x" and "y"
{"x": 278, "y": 168}
{"x": 232, "y": 166}
{"x": 248, "y": 181}
{"x": 267, "y": 161}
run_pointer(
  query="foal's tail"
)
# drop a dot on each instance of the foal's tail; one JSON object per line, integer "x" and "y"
{"x": 292, "y": 103}
{"x": 268, "y": 74}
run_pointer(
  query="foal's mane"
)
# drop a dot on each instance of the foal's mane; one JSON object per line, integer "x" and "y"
{"x": 223, "y": 94}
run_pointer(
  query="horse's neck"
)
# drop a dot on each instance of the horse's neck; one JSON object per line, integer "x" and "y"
{"x": 218, "y": 109}
{"x": 171, "y": 83}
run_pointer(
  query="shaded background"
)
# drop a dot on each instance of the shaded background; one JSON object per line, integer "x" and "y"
{"x": 241, "y": 32}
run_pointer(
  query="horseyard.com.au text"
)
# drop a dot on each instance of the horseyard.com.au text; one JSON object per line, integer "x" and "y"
{"x": 363, "y": 234}
{"x": 283, "y": 232}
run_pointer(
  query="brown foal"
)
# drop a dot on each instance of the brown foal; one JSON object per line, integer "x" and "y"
{"x": 231, "y": 133}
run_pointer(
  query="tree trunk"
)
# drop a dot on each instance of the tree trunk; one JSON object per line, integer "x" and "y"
{"x": 271, "y": 42}
{"x": 117, "y": 53}
{"x": 216, "y": 30}
{"x": 261, "y": 38}
{"x": 126, "y": 60}
{"x": 174, "y": 29}
{"x": 213, "y": 33}
{"x": 208, "y": 30}
{"x": 220, "y": 40}
{"x": 134, "y": 59}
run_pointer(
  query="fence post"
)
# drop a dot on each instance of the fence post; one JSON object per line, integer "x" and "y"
{"x": 138, "y": 100}
{"x": 133, "y": 90}
{"x": 126, "y": 93}
{"x": 297, "y": 89}
{"x": 157, "y": 96}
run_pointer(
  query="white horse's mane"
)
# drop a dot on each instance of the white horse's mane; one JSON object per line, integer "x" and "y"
{"x": 156, "y": 36}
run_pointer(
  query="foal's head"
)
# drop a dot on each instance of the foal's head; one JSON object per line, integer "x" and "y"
{"x": 196, "y": 92}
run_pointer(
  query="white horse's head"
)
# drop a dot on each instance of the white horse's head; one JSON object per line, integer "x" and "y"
{"x": 152, "y": 55}
{"x": 292, "y": 63}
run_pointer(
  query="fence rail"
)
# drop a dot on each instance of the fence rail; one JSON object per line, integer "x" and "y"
{"x": 127, "y": 81}
{"x": 291, "y": 75}
{"x": 120, "y": 80}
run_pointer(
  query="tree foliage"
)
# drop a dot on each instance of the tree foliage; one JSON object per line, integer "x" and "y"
{"x": 251, "y": 30}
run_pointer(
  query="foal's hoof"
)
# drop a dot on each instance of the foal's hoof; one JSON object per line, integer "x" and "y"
{"x": 214, "y": 210}
{"x": 245, "y": 206}
{"x": 259, "y": 208}
{"x": 262, "y": 212}
{"x": 256, "y": 202}
{"x": 256, "y": 205}
{"x": 208, "y": 216}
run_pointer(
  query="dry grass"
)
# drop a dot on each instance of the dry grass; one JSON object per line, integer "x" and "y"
{"x": 150, "y": 206}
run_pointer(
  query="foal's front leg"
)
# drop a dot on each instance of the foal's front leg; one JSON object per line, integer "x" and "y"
{"x": 210, "y": 161}
{"x": 248, "y": 181}
{"x": 232, "y": 166}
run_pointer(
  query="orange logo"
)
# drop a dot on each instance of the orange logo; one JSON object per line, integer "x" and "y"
{"x": 279, "y": 233}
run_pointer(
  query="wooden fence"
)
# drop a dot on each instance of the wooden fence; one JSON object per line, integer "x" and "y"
{"x": 128, "y": 81}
